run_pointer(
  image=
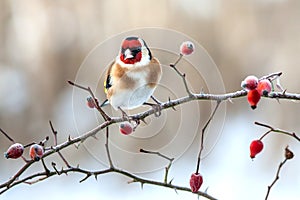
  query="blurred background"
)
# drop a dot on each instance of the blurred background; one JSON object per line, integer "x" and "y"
{"x": 43, "y": 44}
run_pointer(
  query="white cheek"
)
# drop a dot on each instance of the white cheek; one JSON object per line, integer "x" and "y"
{"x": 144, "y": 61}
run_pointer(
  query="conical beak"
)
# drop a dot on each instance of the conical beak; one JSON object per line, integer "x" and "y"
{"x": 128, "y": 54}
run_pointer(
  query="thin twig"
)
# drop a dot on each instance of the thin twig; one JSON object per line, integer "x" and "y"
{"x": 45, "y": 167}
{"x": 54, "y": 167}
{"x": 167, "y": 168}
{"x": 203, "y": 133}
{"x": 17, "y": 175}
{"x": 43, "y": 142}
{"x": 7, "y": 136}
{"x": 36, "y": 181}
{"x": 28, "y": 145}
{"x": 88, "y": 89}
{"x": 272, "y": 76}
{"x": 272, "y": 129}
{"x": 107, "y": 148}
{"x": 141, "y": 116}
{"x": 178, "y": 59}
{"x": 16, "y": 179}
{"x": 106, "y": 171}
{"x": 265, "y": 134}
{"x": 156, "y": 153}
{"x": 276, "y": 178}
{"x": 288, "y": 154}
{"x": 182, "y": 75}
{"x": 55, "y": 144}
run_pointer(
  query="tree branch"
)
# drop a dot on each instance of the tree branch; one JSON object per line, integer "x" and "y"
{"x": 107, "y": 148}
{"x": 202, "y": 135}
{"x": 288, "y": 155}
{"x": 182, "y": 75}
{"x": 162, "y": 156}
{"x": 88, "y": 89}
{"x": 17, "y": 179}
{"x": 105, "y": 171}
{"x": 272, "y": 129}
{"x": 276, "y": 178}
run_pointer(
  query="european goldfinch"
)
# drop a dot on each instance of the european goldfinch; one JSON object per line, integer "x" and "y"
{"x": 132, "y": 78}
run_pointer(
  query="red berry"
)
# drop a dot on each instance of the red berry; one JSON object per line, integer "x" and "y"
{"x": 256, "y": 147}
{"x": 90, "y": 102}
{"x": 196, "y": 181}
{"x": 264, "y": 87}
{"x": 186, "y": 48}
{"x": 126, "y": 128}
{"x": 36, "y": 152}
{"x": 253, "y": 98}
{"x": 250, "y": 83}
{"x": 14, "y": 151}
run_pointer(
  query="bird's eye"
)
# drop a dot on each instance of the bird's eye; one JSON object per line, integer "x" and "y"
{"x": 136, "y": 50}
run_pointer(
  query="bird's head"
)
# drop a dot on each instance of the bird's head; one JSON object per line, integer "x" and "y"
{"x": 134, "y": 50}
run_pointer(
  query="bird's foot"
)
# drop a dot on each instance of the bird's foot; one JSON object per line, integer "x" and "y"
{"x": 124, "y": 114}
{"x": 156, "y": 107}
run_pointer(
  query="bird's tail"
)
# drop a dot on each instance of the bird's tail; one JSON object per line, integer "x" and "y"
{"x": 105, "y": 103}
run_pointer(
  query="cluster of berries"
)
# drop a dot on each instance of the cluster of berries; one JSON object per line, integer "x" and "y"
{"x": 16, "y": 150}
{"x": 256, "y": 88}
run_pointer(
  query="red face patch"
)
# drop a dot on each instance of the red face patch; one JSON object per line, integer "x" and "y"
{"x": 134, "y": 45}
{"x": 133, "y": 60}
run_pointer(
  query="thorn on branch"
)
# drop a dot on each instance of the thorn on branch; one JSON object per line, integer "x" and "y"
{"x": 131, "y": 181}
{"x": 78, "y": 145}
{"x": 175, "y": 189}
{"x": 85, "y": 178}
{"x": 173, "y": 107}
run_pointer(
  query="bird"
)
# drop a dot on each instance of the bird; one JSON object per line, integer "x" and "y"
{"x": 133, "y": 76}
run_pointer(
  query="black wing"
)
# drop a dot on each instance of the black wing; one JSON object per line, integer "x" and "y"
{"x": 108, "y": 80}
